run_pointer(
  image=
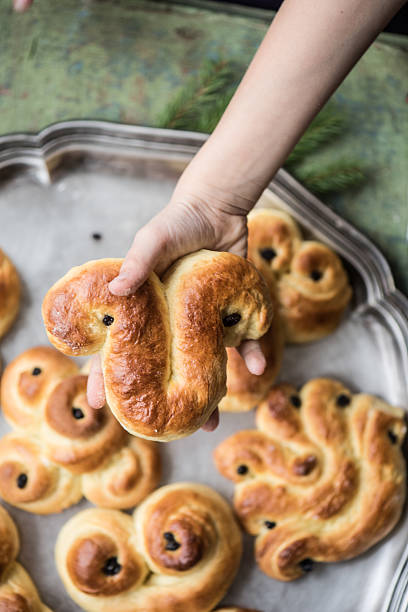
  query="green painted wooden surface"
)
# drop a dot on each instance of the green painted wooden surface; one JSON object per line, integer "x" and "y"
{"x": 121, "y": 60}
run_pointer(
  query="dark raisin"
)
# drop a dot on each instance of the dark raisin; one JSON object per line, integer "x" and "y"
{"x": 316, "y": 275}
{"x": 36, "y": 371}
{"x": 392, "y": 436}
{"x": 96, "y": 236}
{"x": 107, "y": 320}
{"x": 267, "y": 254}
{"x": 270, "y": 524}
{"x": 343, "y": 400}
{"x": 171, "y": 542}
{"x": 22, "y": 480}
{"x": 295, "y": 401}
{"x": 242, "y": 469}
{"x": 231, "y": 319}
{"x": 77, "y": 413}
{"x": 306, "y": 565}
{"x": 111, "y": 567}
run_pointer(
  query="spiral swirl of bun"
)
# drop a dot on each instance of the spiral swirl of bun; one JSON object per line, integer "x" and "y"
{"x": 312, "y": 285}
{"x": 30, "y": 482}
{"x": 10, "y": 291}
{"x": 27, "y": 382}
{"x": 17, "y": 591}
{"x": 180, "y": 552}
{"x": 63, "y": 449}
{"x": 163, "y": 348}
{"x": 322, "y": 479}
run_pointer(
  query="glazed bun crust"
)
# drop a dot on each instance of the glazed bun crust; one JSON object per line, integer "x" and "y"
{"x": 322, "y": 478}
{"x": 17, "y": 592}
{"x": 10, "y": 291}
{"x": 63, "y": 449}
{"x": 163, "y": 348}
{"x": 312, "y": 286}
{"x": 180, "y": 551}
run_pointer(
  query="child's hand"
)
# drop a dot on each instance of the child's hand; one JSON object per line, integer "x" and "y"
{"x": 203, "y": 218}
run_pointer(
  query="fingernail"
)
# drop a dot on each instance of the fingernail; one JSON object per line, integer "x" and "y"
{"x": 115, "y": 285}
{"x": 256, "y": 364}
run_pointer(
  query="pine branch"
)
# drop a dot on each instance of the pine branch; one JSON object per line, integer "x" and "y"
{"x": 336, "y": 177}
{"x": 324, "y": 128}
{"x": 201, "y": 101}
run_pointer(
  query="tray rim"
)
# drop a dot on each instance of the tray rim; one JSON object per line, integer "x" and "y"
{"x": 36, "y": 150}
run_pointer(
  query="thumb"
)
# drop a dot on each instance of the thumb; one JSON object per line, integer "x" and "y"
{"x": 150, "y": 245}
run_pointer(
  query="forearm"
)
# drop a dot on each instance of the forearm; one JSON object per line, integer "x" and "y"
{"x": 307, "y": 52}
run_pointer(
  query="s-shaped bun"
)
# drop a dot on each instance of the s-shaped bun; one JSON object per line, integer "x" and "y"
{"x": 163, "y": 348}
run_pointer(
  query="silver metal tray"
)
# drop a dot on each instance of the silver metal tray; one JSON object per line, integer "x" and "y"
{"x": 80, "y": 177}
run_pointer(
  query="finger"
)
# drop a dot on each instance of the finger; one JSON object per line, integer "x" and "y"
{"x": 21, "y": 5}
{"x": 212, "y": 422}
{"x": 251, "y": 352}
{"x": 95, "y": 391}
{"x": 149, "y": 245}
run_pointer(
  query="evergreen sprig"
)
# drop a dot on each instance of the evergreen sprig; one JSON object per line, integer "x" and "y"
{"x": 332, "y": 178}
{"x": 327, "y": 125}
{"x": 199, "y": 104}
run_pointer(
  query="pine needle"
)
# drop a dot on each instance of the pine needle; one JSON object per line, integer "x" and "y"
{"x": 201, "y": 101}
{"x": 332, "y": 178}
{"x": 324, "y": 128}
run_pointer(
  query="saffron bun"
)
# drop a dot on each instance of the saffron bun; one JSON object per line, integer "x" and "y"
{"x": 163, "y": 347}
{"x": 312, "y": 286}
{"x": 179, "y": 551}
{"x": 10, "y": 292}
{"x": 321, "y": 479}
{"x": 17, "y": 591}
{"x": 62, "y": 449}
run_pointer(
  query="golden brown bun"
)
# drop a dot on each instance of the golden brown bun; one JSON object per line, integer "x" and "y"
{"x": 246, "y": 390}
{"x": 9, "y": 540}
{"x": 163, "y": 348}
{"x": 180, "y": 551}
{"x": 323, "y": 477}
{"x": 17, "y": 591}
{"x": 64, "y": 449}
{"x": 10, "y": 291}
{"x": 312, "y": 285}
